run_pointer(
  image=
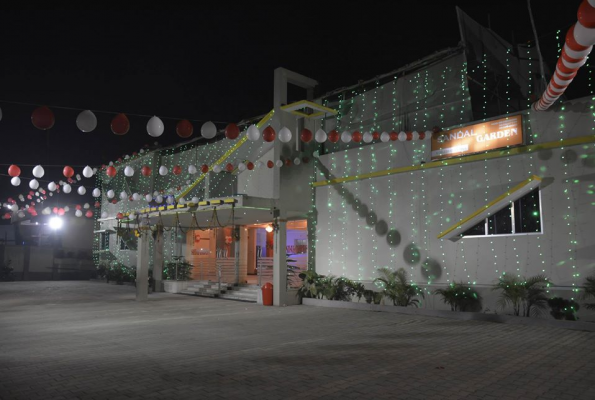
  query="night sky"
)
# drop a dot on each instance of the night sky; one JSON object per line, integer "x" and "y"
{"x": 210, "y": 63}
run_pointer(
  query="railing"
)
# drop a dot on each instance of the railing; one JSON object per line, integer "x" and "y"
{"x": 264, "y": 268}
{"x": 221, "y": 270}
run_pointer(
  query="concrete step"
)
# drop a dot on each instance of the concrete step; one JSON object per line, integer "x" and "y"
{"x": 204, "y": 291}
{"x": 238, "y": 297}
{"x": 191, "y": 293}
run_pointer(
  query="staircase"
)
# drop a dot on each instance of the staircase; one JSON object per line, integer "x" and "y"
{"x": 248, "y": 293}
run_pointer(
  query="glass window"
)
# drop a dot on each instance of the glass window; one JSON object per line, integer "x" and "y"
{"x": 522, "y": 216}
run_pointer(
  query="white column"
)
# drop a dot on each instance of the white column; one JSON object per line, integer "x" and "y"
{"x": 158, "y": 260}
{"x": 280, "y": 264}
{"x": 142, "y": 267}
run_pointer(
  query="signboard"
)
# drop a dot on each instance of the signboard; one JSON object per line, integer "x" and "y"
{"x": 490, "y": 135}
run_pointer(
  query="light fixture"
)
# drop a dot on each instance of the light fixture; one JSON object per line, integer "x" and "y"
{"x": 56, "y": 223}
{"x": 269, "y": 228}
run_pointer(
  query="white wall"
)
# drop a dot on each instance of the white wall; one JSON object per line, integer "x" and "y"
{"x": 394, "y": 221}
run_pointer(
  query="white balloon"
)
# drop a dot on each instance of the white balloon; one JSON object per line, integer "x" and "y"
{"x": 129, "y": 171}
{"x": 86, "y": 121}
{"x": 37, "y": 194}
{"x": 38, "y": 200}
{"x": 96, "y": 192}
{"x": 253, "y": 133}
{"x": 66, "y": 188}
{"x": 46, "y": 211}
{"x": 208, "y": 130}
{"x": 149, "y": 198}
{"x": 170, "y": 200}
{"x": 51, "y": 194}
{"x": 259, "y": 164}
{"x": 159, "y": 199}
{"x": 86, "y": 206}
{"x": 111, "y": 164}
{"x": 192, "y": 169}
{"x": 368, "y": 137}
{"x": 66, "y": 209}
{"x": 123, "y": 195}
{"x": 402, "y": 136}
{"x": 241, "y": 166}
{"x": 297, "y": 161}
{"x": 78, "y": 213}
{"x": 38, "y": 171}
{"x": 21, "y": 214}
{"x": 88, "y": 172}
{"x": 110, "y": 194}
{"x": 285, "y": 135}
{"x": 384, "y": 137}
{"x": 279, "y": 163}
{"x": 216, "y": 168}
{"x": 78, "y": 177}
{"x": 155, "y": 193}
{"x": 136, "y": 197}
{"x": 182, "y": 201}
{"x": 155, "y": 127}
{"x": 163, "y": 170}
{"x": 94, "y": 171}
{"x": 195, "y": 200}
{"x": 81, "y": 190}
{"x": 33, "y": 184}
{"x": 15, "y": 181}
{"x": 346, "y": 137}
{"x": 320, "y": 136}
{"x": 14, "y": 208}
{"x": 126, "y": 157}
{"x": 104, "y": 215}
{"x": 428, "y": 135}
{"x": 415, "y": 135}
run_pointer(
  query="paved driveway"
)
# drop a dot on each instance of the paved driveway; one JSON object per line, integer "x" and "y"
{"x": 69, "y": 340}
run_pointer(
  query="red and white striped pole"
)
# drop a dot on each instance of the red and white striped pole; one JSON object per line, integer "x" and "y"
{"x": 580, "y": 39}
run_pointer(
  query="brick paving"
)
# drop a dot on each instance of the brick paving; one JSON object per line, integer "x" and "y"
{"x": 83, "y": 340}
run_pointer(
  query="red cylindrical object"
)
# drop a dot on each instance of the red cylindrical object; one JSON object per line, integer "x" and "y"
{"x": 267, "y": 294}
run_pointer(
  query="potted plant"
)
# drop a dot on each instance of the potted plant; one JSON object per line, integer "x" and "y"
{"x": 527, "y": 296}
{"x": 563, "y": 308}
{"x": 176, "y": 275}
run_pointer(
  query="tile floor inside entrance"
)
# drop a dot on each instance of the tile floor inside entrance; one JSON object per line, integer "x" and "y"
{"x": 83, "y": 340}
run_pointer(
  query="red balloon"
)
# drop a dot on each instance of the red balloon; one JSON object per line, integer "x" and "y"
{"x": 13, "y": 171}
{"x": 334, "y": 136}
{"x": 78, "y": 207}
{"x": 288, "y": 162}
{"x": 114, "y": 201}
{"x": 409, "y": 135}
{"x": 229, "y": 167}
{"x": 268, "y": 135}
{"x": 394, "y": 136}
{"x": 270, "y": 164}
{"x": 177, "y": 170}
{"x": 232, "y": 131}
{"x": 7, "y": 216}
{"x": 43, "y": 118}
{"x": 97, "y": 204}
{"x": 120, "y": 124}
{"x": 134, "y": 154}
{"x": 120, "y": 216}
{"x": 204, "y": 169}
{"x": 111, "y": 171}
{"x": 55, "y": 210}
{"x": 146, "y": 171}
{"x": 68, "y": 171}
{"x": 29, "y": 197}
{"x": 70, "y": 180}
{"x": 422, "y": 135}
{"x": 184, "y": 128}
{"x": 60, "y": 211}
{"x": 89, "y": 214}
{"x": 306, "y": 135}
{"x": 356, "y": 136}
{"x": 375, "y": 135}
{"x": 250, "y": 165}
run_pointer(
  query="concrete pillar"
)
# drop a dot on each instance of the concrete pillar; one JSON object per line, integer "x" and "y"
{"x": 236, "y": 237}
{"x": 280, "y": 263}
{"x": 158, "y": 260}
{"x": 142, "y": 267}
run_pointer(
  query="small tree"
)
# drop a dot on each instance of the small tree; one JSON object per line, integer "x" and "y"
{"x": 460, "y": 297}
{"x": 396, "y": 287}
{"x": 527, "y": 296}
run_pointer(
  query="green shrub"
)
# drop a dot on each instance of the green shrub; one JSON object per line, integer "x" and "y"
{"x": 120, "y": 273}
{"x": 396, "y": 287}
{"x": 177, "y": 270}
{"x": 460, "y": 297}
{"x": 589, "y": 292}
{"x": 563, "y": 308}
{"x": 6, "y": 272}
{"x": 527, "y": 296}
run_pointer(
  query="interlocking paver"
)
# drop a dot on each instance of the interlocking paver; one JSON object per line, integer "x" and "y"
{"x": 67, "y": 340}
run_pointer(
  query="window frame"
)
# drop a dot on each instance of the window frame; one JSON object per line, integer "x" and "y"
{"x": 512, "y": 216}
